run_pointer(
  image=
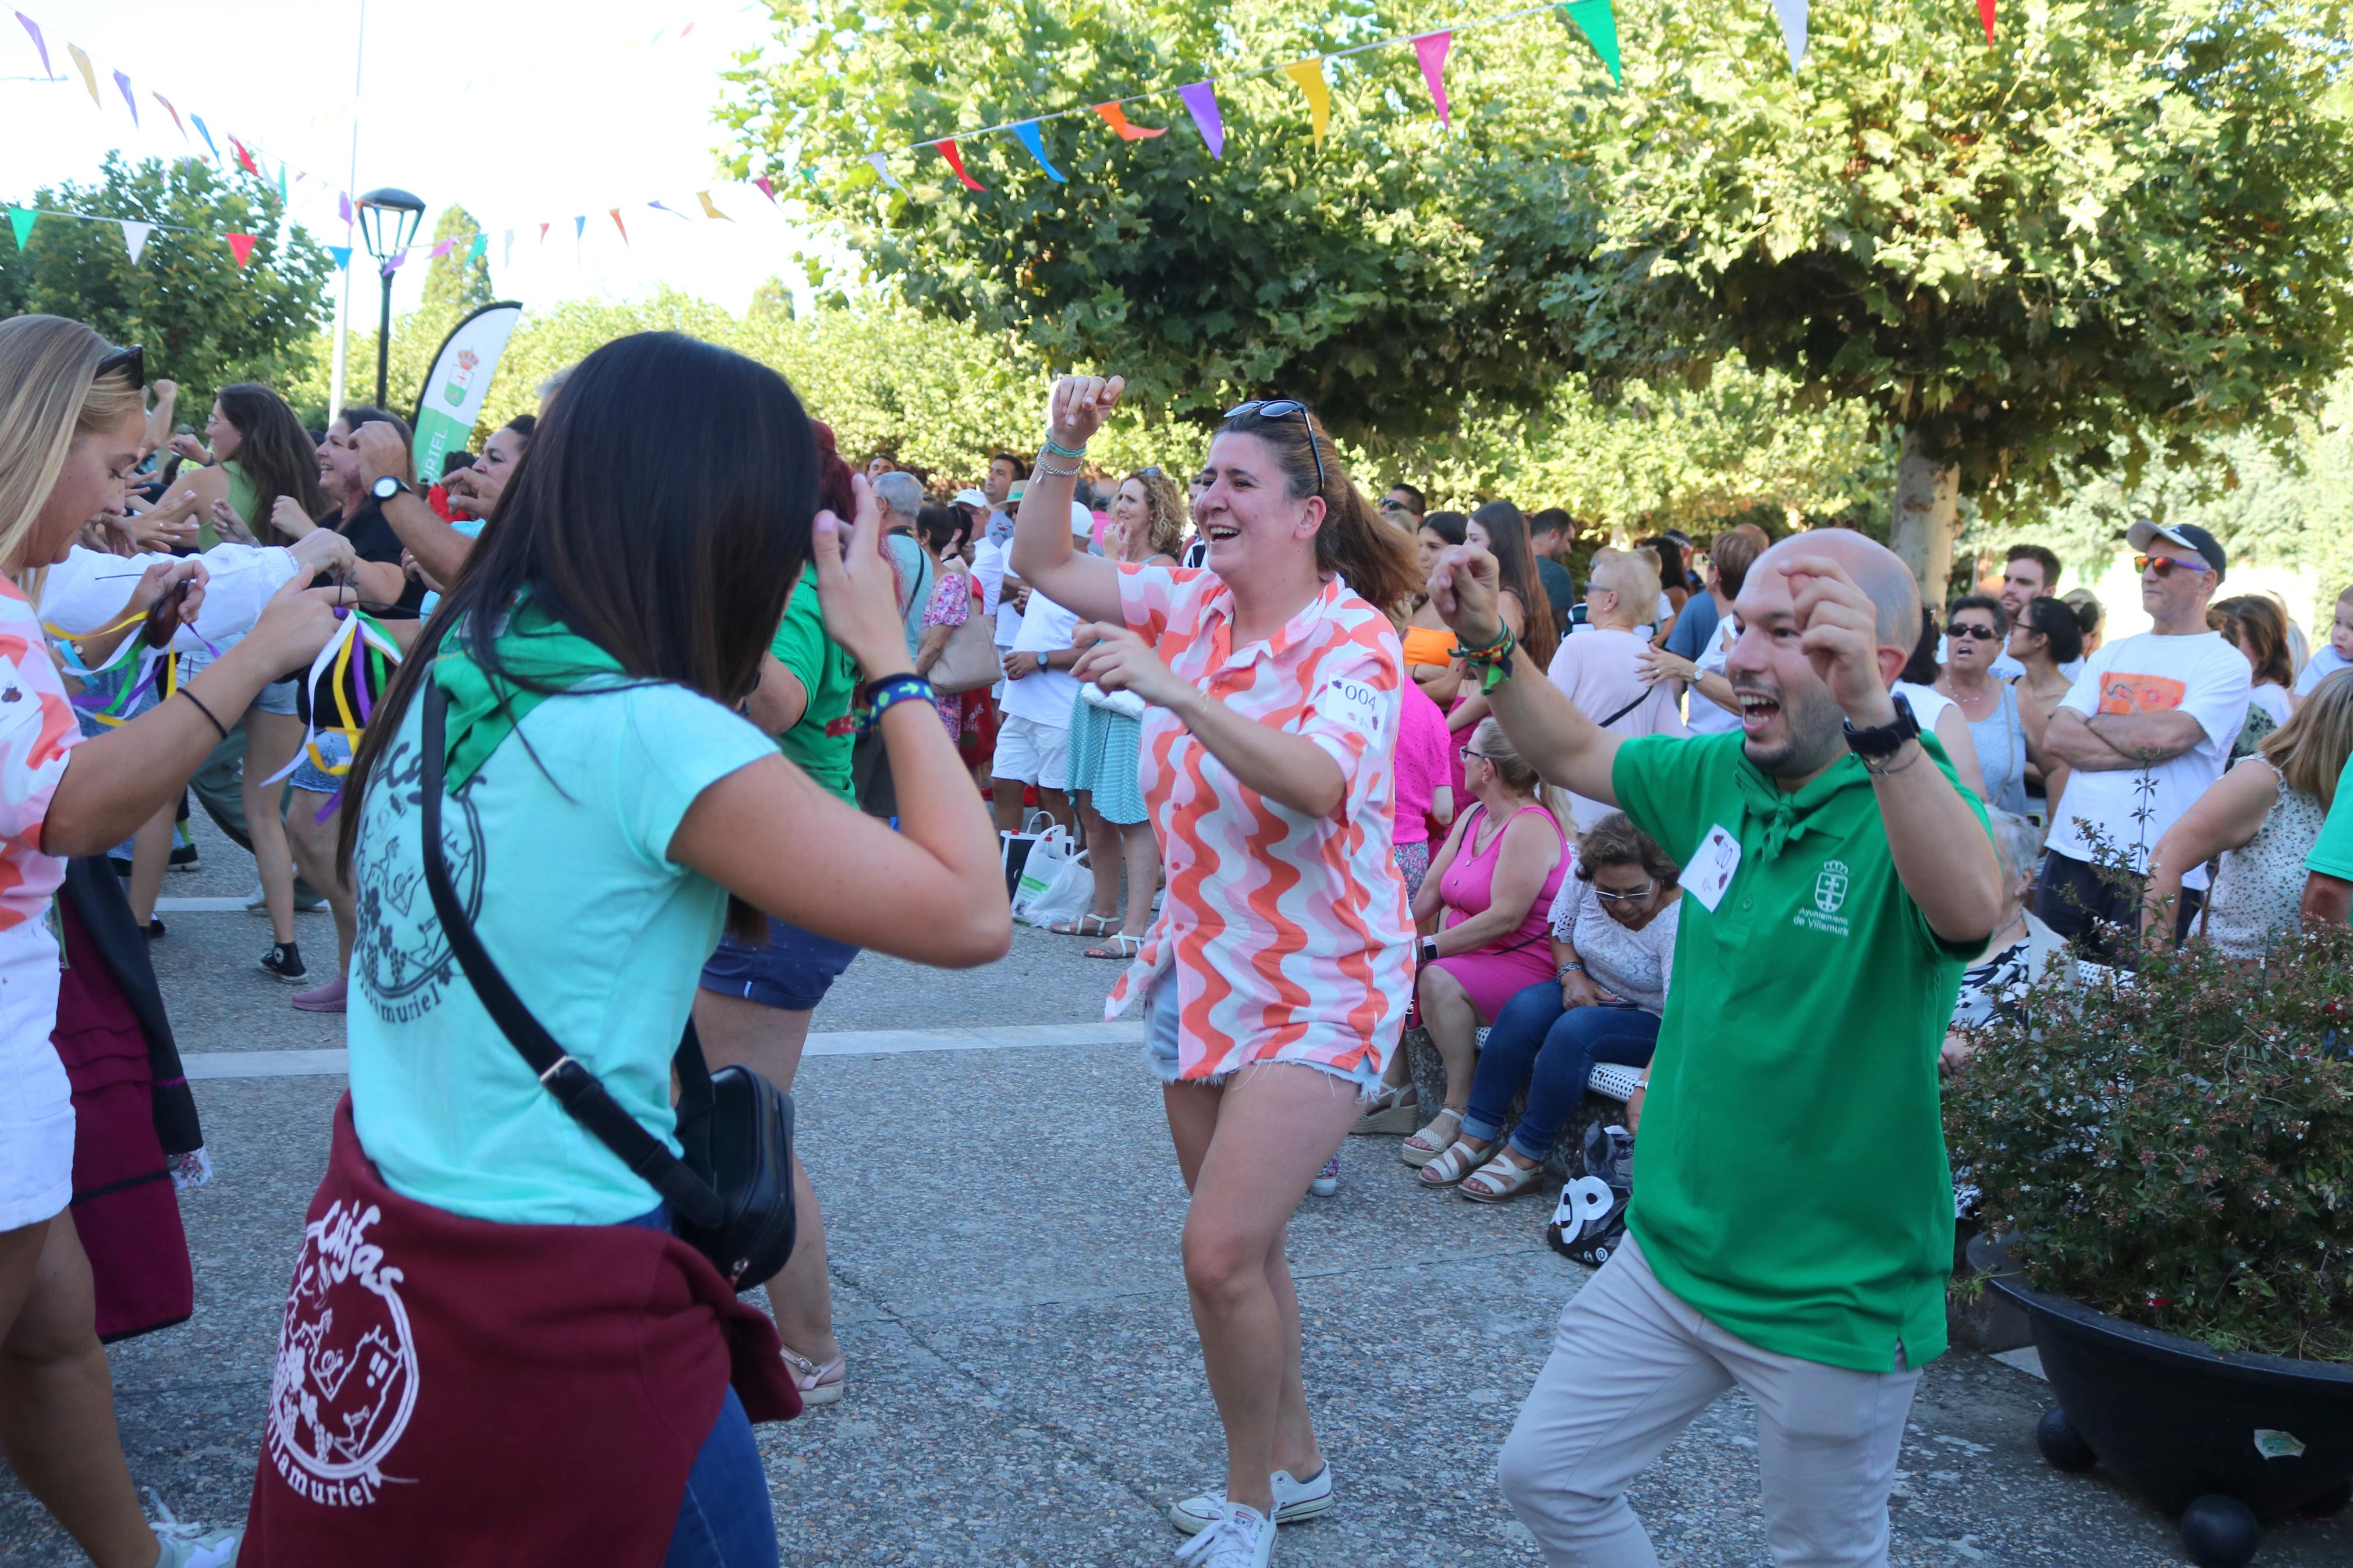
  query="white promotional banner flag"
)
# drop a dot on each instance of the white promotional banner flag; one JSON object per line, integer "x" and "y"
{"x": 1793, "y": 27}
{"x": 134, "y": 237}
{"x": 459, "y": 381}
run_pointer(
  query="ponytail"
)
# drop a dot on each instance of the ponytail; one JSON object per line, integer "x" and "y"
{"x": 1378, "y": 562}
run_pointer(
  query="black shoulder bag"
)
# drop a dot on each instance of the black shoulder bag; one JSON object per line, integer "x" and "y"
{"x": 732, "y": 1197}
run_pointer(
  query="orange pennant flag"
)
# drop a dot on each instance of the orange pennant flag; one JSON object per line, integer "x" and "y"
{"x": 619, "y": 225}
{"x": 1116, "y": 117}
{"x": 242, "y": 245}
{"x": 955, "y": 160}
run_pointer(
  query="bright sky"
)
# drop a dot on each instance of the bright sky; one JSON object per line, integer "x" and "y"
{"x": 523, "y": 111}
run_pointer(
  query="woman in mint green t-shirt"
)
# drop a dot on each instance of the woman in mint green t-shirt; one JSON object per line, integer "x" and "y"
{"x": 605, "y": 806}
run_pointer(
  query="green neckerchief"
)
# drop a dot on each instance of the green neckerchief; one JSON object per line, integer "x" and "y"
{"x": 483, "y": 711}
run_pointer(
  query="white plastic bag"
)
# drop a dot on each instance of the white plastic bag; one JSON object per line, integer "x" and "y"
{"x": 1015, "y": 849}
{"x": 1056, "y": 884}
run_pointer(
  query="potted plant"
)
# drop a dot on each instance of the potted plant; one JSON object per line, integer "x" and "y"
{"x": 2164, "y": 1165}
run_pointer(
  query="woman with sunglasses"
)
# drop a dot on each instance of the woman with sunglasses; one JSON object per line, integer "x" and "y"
{"x": 1974, "y": 629}
{"x": 72, "y": 419}
{"x": 1274, "y": 982}
{"x": 1613, "y": 951}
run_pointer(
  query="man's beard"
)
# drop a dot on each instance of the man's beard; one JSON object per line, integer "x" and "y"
{"x": 1814, "y": 727}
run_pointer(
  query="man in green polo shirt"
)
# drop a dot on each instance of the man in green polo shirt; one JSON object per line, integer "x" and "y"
{"x": 2328, "y": 891}
{"x": 1792, "y": 1227}
{"x": 757, "y": 998}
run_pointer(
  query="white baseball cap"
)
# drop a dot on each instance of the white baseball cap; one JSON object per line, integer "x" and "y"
{"x": 971, "y": 498}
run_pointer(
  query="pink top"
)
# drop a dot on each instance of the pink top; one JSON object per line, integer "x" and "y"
{"x": 1422, "y": 743}
{"x": 36, "y": 730}
{"x": 1288, "y": 934}
{"x": 1469, "y": 886}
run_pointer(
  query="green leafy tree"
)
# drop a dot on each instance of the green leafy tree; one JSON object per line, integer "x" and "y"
{"x": 204, "y": 321}
{"x": 458, "y": 281}
{"x": 2120, "y": 230}
{"x": 1389, "y": 275}
{"x": 771, "y": 298}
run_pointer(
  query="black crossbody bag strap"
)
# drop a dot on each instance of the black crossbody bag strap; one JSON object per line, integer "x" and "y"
{"x": 578, "y": 1090}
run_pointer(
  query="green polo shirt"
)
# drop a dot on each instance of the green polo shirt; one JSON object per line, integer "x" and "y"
{"x": 1793, "y": 1184}
{"x": 820, "y": 742}
{"x": 2332, "y": 852}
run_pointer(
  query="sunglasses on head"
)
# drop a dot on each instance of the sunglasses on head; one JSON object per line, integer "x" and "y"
{"x": 1153, "y": 472}
{"x": 132, "y": 360}
{"x": 2167, "y": 565}
{"x": 1283, "y": 409}
{"x": 1970, "y": 629}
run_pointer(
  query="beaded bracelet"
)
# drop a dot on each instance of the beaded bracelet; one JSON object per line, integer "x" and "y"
{"x": 1046, "y": 467}
{"x": 1061, "y": 451}
{"x": 891, "y": 690}
{"x": 1494, "y": 660}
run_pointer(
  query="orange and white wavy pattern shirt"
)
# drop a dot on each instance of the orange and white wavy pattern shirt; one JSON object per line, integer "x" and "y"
{"x": 37, "y": 728}
{"x": 1288, "y": 935}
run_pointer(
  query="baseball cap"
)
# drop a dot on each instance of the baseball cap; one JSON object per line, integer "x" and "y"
{"x": 2189, "y": 535}
{"x": 971, "y": 498}
{"x": 1082, "y": 521}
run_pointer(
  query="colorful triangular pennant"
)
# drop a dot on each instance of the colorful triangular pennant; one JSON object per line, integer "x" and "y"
{"x": 955, "y": 160}
{"x": 768, "y": 186}
{"x": 1985, "y": 15}
{"x": 479, "y": 248}
{"x": 580, "y": 228}
{"x": 1309, "y": 75}
{"x": 89, "y": 76}
{"x": 134, "y": 237}
{"x": 1116, "y": 117}
{"x": 172, "y": 112}
{"x": 122, "y": 85}
{"x": 38, "y": 43}
{"x": 440, "y": 249}
{"x": 1793, "y": 27}
{"x": 1201, "y": 98}
{"x": 883, "y": 171}
{"x": 619, "y": 225}
{"x": 708, "y": 211}
{"x": 1430, "y": 49}
{"x": 22, "y": 220}
{"x": 1595, "y": 19}
{"x": 343, "y": 255}
{"x": 506, "y": 257}
{"x": 344, "y": 206}
{"x": 198, "y": 122}
{"x": 1027, "y": 131}
{"x": 245, "y": 158}
{"x": 242, "y": 246}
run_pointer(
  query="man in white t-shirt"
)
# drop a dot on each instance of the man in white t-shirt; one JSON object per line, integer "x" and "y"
{"x": 1033, "y": 730}
{"x": 1601, "y": 667}
{"x": 2146, "y": 730}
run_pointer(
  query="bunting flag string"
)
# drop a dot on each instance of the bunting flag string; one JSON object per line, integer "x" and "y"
{"x": 1028, "y": 133}
{"x": 947, "y": 150}
{"x": 134, "y": 237}
{"x": 1599, "y": 24}
{"x": 1116, "y": 117}
{"x": 1431, "y": 48}
{"x": 1201, "y": 101}
{"x": 1309, "y": 75}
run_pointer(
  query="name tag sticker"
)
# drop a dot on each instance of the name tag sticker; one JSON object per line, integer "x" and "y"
{"x": 1710, "y": 871}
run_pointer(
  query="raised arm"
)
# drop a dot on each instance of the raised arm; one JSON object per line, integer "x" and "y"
{"x": 441, "y": 550}
{"x": 1042, "y": 556}
{"x": 1567, "y": 748}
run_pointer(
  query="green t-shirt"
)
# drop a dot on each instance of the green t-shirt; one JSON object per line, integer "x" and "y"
{"x": 2332, "y": 852}
{"x": 1791, "y": 1176}
{"x": 820, "y": 742}
{"x": 242, "y": 498}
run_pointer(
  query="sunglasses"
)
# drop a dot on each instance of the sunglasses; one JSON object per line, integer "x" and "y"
{"x": 133, "y": 359}
{"x": 2166, "y": 565}
{"x": 1970, "y": 629}
{"x": 1283, "y": 409}
{"x": 1607, "y": 897}
{"x": 1153, "y": 472}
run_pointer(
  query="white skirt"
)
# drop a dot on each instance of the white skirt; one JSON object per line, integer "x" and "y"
{"x": 37, "y": 1130}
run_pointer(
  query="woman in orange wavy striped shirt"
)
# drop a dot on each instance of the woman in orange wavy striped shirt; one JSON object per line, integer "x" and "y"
{"x": 1274, "y": 983}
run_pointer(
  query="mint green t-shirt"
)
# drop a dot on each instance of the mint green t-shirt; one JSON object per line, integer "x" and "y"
{"x": 1791, "y": 1183}
{"x": 2332, "y": 852}
{"x": 570, "y": 888}
{"x": 821, "y": 742}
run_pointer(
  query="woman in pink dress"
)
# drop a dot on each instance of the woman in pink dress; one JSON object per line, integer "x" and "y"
{"x": 1492, "y": 887}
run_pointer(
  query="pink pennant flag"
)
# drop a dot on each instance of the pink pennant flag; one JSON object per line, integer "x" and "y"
{"x": 39, "y": 42}
{"x": 1432, "y": 48}
{"x": 122, "y": 85}
{"x": 543, "y": 232}
{"x": 172, "y": 112}
{"x": 955, "y": 160}
{"x": 1202, "y": 98}
{"x": 443, "y": 248}
{"x": 244, "y": 157}
{"x": 619, "y": 225}
{"x": 1985, "y": 15}
{"x": 768, "y": 186}
{"x": 242, "y": 245}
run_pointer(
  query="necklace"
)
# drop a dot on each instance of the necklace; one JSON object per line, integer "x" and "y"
{"x": 1966, "y": 703}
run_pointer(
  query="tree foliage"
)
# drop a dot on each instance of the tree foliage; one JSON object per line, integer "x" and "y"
{"x": 204, "y": 321}
{"x": 459, "y": 278}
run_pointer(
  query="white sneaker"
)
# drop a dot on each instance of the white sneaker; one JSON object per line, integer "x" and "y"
{"x": 187, "y": 1544}
{"x": 1241, "y": 1537}
{"x": 1293, "y": 1501}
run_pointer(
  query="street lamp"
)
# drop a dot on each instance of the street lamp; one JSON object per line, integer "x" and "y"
{"x": 388, "y": 220}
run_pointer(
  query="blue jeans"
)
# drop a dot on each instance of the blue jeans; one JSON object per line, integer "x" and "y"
{"x": 1550, "y": 1050}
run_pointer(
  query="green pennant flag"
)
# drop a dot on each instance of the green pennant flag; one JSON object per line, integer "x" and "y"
{"x": 479, "y": 248}
{"x": 281, "y": 181}
{"x": 1599, "y": 24}
{"x": 22, "y": 220}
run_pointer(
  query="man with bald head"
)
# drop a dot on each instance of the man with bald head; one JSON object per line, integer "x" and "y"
{"x": 1792, "y": 1230}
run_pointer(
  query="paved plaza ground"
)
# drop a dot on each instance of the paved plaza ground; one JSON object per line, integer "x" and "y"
{"x": 1003, "y": 1214}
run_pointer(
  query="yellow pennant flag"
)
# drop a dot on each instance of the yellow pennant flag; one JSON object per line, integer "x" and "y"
{"x": 1309, "y": 75}
{"x": 710, "y": 211}
{"x": 89, "y": 76}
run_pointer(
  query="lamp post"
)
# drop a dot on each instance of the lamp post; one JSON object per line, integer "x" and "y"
{"x": 388, "y": 220}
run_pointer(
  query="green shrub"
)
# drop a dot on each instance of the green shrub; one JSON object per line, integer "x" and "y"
{"x": 2178, "y": 1150}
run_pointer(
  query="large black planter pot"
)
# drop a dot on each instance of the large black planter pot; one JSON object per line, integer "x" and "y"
{"x": 2209, "y": 1437}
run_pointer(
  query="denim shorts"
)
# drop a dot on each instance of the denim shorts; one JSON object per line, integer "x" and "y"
{"x": 792, "y": 970}
{"x": 311, "y": 776}
{"x": 1162, "y": 1055}
{"x": 277, "y": 697}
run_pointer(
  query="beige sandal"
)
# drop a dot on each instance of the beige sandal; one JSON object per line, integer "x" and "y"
{"x": 1498, "y": 1181}
{"x": 820, "y": 1383}
{"x": 1458, "y": 1161}
{"x": 1427, "y": 1144}
{"x": 1105, "y": 925}
{"x": 1393, "y": 1111}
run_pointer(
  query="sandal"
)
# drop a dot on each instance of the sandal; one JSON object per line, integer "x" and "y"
{"x": 1498, "y": 1181}
{"x": 1106, "y": 925}
{"x": 1123, "y": 947}
{"x": 1458, "y": 1161}
{"x": 1391, "y": 1111}
{"x": 1427, "y": 1145}
{"x": 820, "y": 1383}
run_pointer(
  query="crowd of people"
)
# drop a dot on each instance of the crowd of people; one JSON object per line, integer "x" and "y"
{"x": 1353, "y": 779}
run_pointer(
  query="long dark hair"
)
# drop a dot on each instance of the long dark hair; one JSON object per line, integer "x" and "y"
{"x": 1515, "y": 569}
{"x": 1448, "y": 525}
{"x": 275, "y": 455}
{"x": 2059, "y": 625}
{"x": 1376, "y": 562}
{"x": 662, "y": 511}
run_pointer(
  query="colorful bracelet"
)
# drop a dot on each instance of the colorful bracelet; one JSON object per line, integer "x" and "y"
{"x": 1494, "y": 660}
{"x": 889, "y": 692}
{"x": 1061, "y": 451}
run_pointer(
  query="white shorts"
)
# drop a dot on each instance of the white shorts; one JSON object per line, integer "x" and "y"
{"x": 37, "y": 1132}
{"x": 1032, "y": 751}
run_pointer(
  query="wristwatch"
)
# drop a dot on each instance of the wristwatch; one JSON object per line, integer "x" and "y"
{"x": 1883, "y": 740}
{"x": 1574, "y": 966}
{"x": 389, "y": 487}
{"x": 1426, "y": 950}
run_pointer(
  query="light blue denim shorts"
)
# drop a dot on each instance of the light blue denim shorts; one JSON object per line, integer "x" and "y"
{"x": 311, "y": 776}
{"x": 1162, "y": 1055}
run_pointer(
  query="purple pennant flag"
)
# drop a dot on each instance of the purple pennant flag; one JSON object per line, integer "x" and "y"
{"x": 440, "y": 250}
{"x": 33, "y": 27}
{"x": 123, "y": 82}
{"x": 1202, "y": 98}
{"x": 343, "y": 205}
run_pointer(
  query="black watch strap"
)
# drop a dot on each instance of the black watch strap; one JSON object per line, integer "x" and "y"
{"x": 1885, "y": 739}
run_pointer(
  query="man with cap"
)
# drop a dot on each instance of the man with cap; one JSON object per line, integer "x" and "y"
{"x": 2147, "y": 729}
{"x": 1033, "y": 738}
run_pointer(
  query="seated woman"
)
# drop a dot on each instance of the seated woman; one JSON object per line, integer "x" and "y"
{"x": 1613, "y": 943}
{"x": 1491, "y": 886}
